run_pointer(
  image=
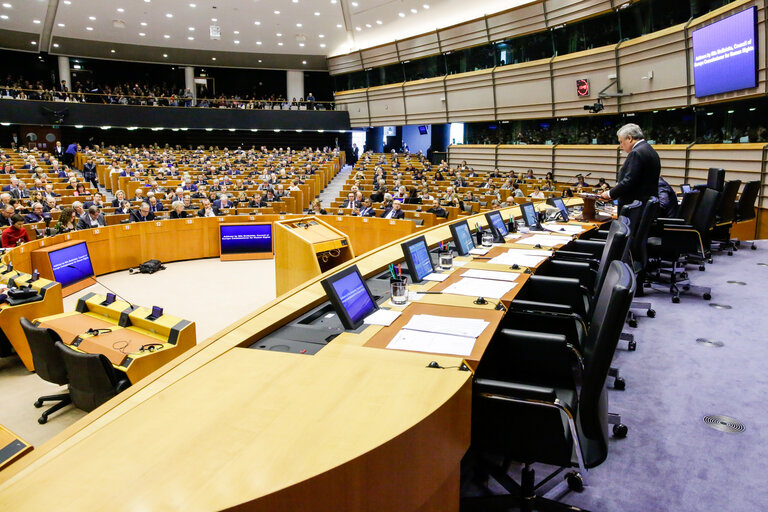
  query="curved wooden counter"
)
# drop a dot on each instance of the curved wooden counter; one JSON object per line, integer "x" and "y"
{"x": 224, "y": 427}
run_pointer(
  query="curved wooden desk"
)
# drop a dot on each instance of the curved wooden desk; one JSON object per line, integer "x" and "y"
{"x": 224, "y": 427}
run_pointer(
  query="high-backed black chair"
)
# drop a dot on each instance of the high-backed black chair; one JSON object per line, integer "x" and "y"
{"x": 547, "y": 421}
{"x": 716, "y": 178}
{"x": 745, "y": 208}
{"x": 688, "y": 205}
{"x": 726, "y": 214}
{"x": 49, "y": 365}
{"x": 92, "y": 379}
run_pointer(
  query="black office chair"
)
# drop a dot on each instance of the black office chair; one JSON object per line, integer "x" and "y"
{"x": 92, "y": 379}
{"x": 688, "y": 205}
{"x": 720, "y": 237}
{"x": 716, "y": 178}
{"x": 548, "y": 420}
{"x": 49, "y": 365}
{"x": 678, "y": 244}
{"x": 745, "y": 208}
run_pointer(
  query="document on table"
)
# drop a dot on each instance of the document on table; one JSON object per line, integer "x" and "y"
{"x": 474, "y": 287}
{"x": 447, "y": 325}
{"x": 545, "y": 240}
{"x": 515, "y": 259}
{"x": 432, "y": 342}
{"x": 512, "y": 236}
{"x": 435, "y": 277}
{"x": 563, "y": 228}
{"x": 383, "y": 317}
{"x": 491, "y": 274}
{"x": 479, "y": 251}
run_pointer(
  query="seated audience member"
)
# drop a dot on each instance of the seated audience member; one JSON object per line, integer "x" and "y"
{"x": 72, "y": 183}
{"x": 495, "y": 204}
{"x": 580, "y": 181}
{"x": 257, "y": 201}
{"x": 80, "y": 190}
{"x": 393, "y": 211}
{"x": 413, "y": 197}
{"x": 529, "y": 175}
{"x": 188, "y": 203}
{"x": 36, "y": 215}
{"x": 317, "y": 208}
{"x": 155, "y": 205}
{"x": 119, "y": 198}
{"x": 567, "y": 192}
{"x": 667, "y": 200}
{"x": 92, "y": 219}
{"x": 16, "y": 233}
{"x": 271, "y": 197}
{"x": 438, "y": 210}
{"x": 537, "y": 193}
{"x": 139, "y": 195}
{"x": 78, "y": 207}
{"x": 142, "y": 214}
{"x": 516, "y": 190}
{"x": 366, "y": 210}
{"x": 223, "y": 202}
{"x": 49, "y": 205}
{"x": 350, "y": 201}
{"x": 177, "y": 211}
{"x": 96, "y": 201}
{"x": 124, "y": 208}
{"x": 49, "y": 191}
{"x": 208, "y": 209}
{"x": 67, "y": 221}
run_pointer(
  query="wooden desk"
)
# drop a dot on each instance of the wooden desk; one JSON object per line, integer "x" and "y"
{"x": 12, "y": 447}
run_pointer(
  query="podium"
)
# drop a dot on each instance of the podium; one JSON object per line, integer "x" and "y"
{"x": 589, "y": 212}
{"x": 306, "y": 248}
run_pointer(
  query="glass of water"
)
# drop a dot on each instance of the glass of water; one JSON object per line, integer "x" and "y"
{"x": 487, "y": 239}
{"x": 446, "y": 260}
{"x": 399, "y": 291}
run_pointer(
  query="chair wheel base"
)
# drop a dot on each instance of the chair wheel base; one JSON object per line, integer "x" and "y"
{"x": 632, "y": 345}
{"x": 754, "y": 247}
{"x": 707, "y": 296}
{"x": 620, "y": 430}
{"x": 702, "y": 268}
{"x": 651, "y": 313}
{"x": 632, "y": 323}
{"x": 575, "y": 481}
{"x": 619, "y": 384}
{"x": 676, "y": 300}
{"x": 38, "y": 404}
{"x": 42, "y": 420}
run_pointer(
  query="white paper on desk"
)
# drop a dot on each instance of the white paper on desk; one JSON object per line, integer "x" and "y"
{"x": 529, "y": 252}
{"x": 480, "y": 288}
{"x": 472, "y": 327}
{"x": 412, "y": 296}
{"x": 459, "y": 263}
{"x": 563, "y": 228}
{"x": 479, "y": 251}
{"x": 435, "y": 277}
{"x": 436, "y": 343}
{"x": 545, "y": 240}
{"x": 512, "y": 236}
{"x": 382, "y": 317}
{"x": 491, "y": 274}
{"x": 513, "y": 259}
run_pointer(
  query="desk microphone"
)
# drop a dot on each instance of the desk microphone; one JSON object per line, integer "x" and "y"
{"x": 107, "y": 287}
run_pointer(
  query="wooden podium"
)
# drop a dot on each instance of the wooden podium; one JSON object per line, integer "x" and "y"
{"x": 589, "y": 212}
{"x": 306, "y": 248}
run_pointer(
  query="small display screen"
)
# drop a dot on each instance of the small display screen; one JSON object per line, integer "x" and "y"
{"x": 110, "y": 299}
{"x": 685, "y": 188}
{"x": 71, "y": 264}
{"x": 725, "y": 55}
{"x": 498, "y": 223}
{"x": 354, "y": 297}
{"x": 246, "y": 239}
{"x": 462, "y": 237}
{"x": 157, "y": 312}
{"x": 560, "y": 205}
{"x": 417, "y": 256}
{"x": 529, "y": 215}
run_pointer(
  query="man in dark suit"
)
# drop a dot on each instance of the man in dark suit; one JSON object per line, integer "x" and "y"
{"x": 223, "y": 202}
{"x": 93, "y": 218}
{"x": 89, "y": 173}
{"x": 208, "y": 210}
{"x": 639, "y": 176}
{"x": 438, "y": 210}
{"x": 155, "y": 205}
{"x": 393, "y": 212}
{"x": 366, "y": 210}
{"x": 257, "y": 201}
{"x": 142, "y": 214}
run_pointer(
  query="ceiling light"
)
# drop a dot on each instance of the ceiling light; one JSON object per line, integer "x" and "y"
{"x": 61, "y": 25}
{"x": 358, "y": 29}
{"x": 299, "y": 25}
{"x": 36, "y": 22}
{"x": 214, "y": 19}
{"x": 77, "y": 66}
{"x": 92, "y": 18}
{"x": 191, "y": 29}
{"x": 338, "y": 25}
{"x": 88, "y": 28}
{"x": 277, "y": 12}
{"x": 355, "y": 4}
{"x": 111, "y": 51}
{"x": 401, "y": 14}
{"x": 55, "y": 45}
{"x": 368, "y": 25}
{"x": 258, "y": 42}
{"x": 295, "y": 1}
{"x": 143, "y": 23}
{"x": 33, "y": 42}
{"x": 426, "y": 6}
{"x": 257, "y": 23}
{"x": 414, "y": 11}
{"x": 67, "y": 2}
{"x": 209, "y": 129}
{"x": 236, "y": 41}
{"x": 279, "y": 34}
{"x": 142, "y": 34}
{"x": 4, "y": 16}
{"x": 7, "y": 5}
{"x": 213, "y": 58}
{"x": 303, "y": 62}
{"x": 193, "y": 5}
{"x": 190, "y": 38}
{"x": 322, "y": 46}
{"x": 279, "y": 44}
{"x": 166, "y": 36}
{"x": 120, "y": 9}
{"x": 236, "y": 32}
{"x": 301, "y": 44}
{"x": 145, "y": 1}
{"x": 317, "y": 13}
{"x": 169, "y": 15}
{"x": 333, "y": 1}
{"x": 259, "y": 60}
{"x": 321, "y": 36}
{"x": 379, "y": 22}
{"x": 165, "y": 55}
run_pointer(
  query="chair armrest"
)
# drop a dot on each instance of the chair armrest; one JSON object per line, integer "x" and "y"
{"x": 515, "y": 390}
{"x": 565, "y": 255}
{"x": 122, "y": 385}
{"x": 581, "y": 270}
{"x": 593, "y": 247}
{"x": 563, "y": 290}
{"x": 536, "y": 306}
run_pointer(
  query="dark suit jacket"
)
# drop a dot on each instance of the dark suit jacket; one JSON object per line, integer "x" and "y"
{"x": 439, "y": 212}
{"x": 367, "y": 212}
{"x": 158, "y": 207}
{"x": 217, "y": 204}
{"x": 253, "y": 204}
{"x": 639, "y": 176}
{"x": 85, "y": 221}
{"x": 182, "y": 215}
{"x": 201, "y": 211}
{"x": 400, "y": 214}
{"x": 136, "y": 216}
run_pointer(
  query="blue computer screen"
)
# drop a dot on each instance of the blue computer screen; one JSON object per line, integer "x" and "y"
{"x": 244, "y": 239}
{"x": 561, "y": 206}
{"x": 71, "y": 264}
{"x": 531, "y": 217}
{"x": 353, "y": 296}
{"x": 498, "y": 223}
{"x": 421, "y": 262}
{"x": 464, "y": 238}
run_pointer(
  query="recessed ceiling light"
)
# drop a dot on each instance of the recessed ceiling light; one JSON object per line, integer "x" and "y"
{"x": 147, "y": 1}
{"x": 401, "y": 14}
{"x": 338, "y": 25}
{"x": 166, "y": 36}
{"x": 61, "y": 25}
{"x": 55, "y": 45}
{"x": 317, "y": 13}
{"x": 301, "y": 44}
{"x": 143, "y": 23}
{"x": 4, "y": 16}
{"x": 168, "y": 15}
{"x": 321, "y": 36}
{"x": 165, "y": 55}
{"x": 92, "y": 18}
{"x": 426, "y": 6}
{"x": 259, "y": 60}
{"x": 258, "y": 42}
{"x": 414, "y": 11}
{"x": 279, "y": 44}
{"x": 277, "y": 12}
{"x": 358, "y": 29}
{"x": 303, "y": 62}
{"x": 111, "y": 51}
{"x": 214, "y": 19}
{"x": 120, "y": 9}
{"x": 88, "y": 28}
{"x": 379, "y": 22}
{"x": 67, "y": 2}
{"x": 355, "y": 4}
{"x": 36, "y": 22}
{"x": 236, "y": 32}
{"x": 193, "y": 5}
{"x": 322, "y": 46}
{"x": 299, "y": 25}
{"x": 295, "y": 1}
{"x": 33, "y": 43}
{"x": 333, "y": 1}
{"x": 7, "y": 5}
{"x": 190, "y": 38}
{"x": 191, "y": 29}
{"x": 279, "y": 34}
{"x": 236, "y": 41}
{"x": 257, "y": 23}
{"x": 142, "y": 34}
{"x": 368, "y": 25}
{"x": 213, "y": 58}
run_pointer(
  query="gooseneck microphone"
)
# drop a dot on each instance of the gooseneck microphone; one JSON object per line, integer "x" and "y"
{"x": 107, "y": 287}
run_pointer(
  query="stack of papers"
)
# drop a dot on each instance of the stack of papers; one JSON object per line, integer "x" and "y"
{"x": 569, "y": 229}
{"x": 545, "y": 240}
{"x": 439, "y": 335}
{"x": 435, "y": 277}
{"x": 491, "y": 274}
{"x": 383, "y": 317}
{"x": 479, "y": 251}
{"x": 521, "y": 257}
{"x": 475, "y": 287}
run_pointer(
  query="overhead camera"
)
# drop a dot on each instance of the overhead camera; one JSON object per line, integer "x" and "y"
{"x": 595, "y": 107}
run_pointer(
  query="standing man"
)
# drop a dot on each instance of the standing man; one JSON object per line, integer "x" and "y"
{"x": 639, "y": 176}
{"x": 89, "y": 173}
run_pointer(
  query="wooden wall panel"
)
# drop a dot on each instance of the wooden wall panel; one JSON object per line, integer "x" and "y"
{"x": 480, "y": 156}
{"x": 568, "y": 11}
{"x": 520, "y": 158}
{"x": 356, "y": 103}
{"x": 345, "y": 63}
{"x": 599, "y": 160}
{"x": 743, "y": 164}
{"x": 379, "y": 56}
{"x": 386, "y": 105}
{"x": 672, "y": 162}
{"x": 425, "y": 101}
{"x": 418, "y": 47}
{"x": 652, "y": 69}
{"x": 470, "y": 96}
{"x": 523, "y": 91}
{"x": 595, "y": 65}
{"x": 457, "y": 37}
{"x": 516, "y": 22}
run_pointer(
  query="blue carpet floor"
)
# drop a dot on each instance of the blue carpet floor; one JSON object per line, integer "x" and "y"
{"x": 670, "y": 459}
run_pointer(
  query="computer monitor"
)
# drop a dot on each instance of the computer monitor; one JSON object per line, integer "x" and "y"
{"x": 111, "y": 297}
{"x": 245, "y": 241}
{"x": 71, "y": 264}
{"x": 530, "y": 216}
{"x": 685, "y": 188}
{"x": 417, "y": 258}
{"x": 497, "y": 224}
{"x": 349, "y": 296}
{"x": 157, "y": 312}
{"x": 558, "y": 203}
{"x": 462, "y": 237}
